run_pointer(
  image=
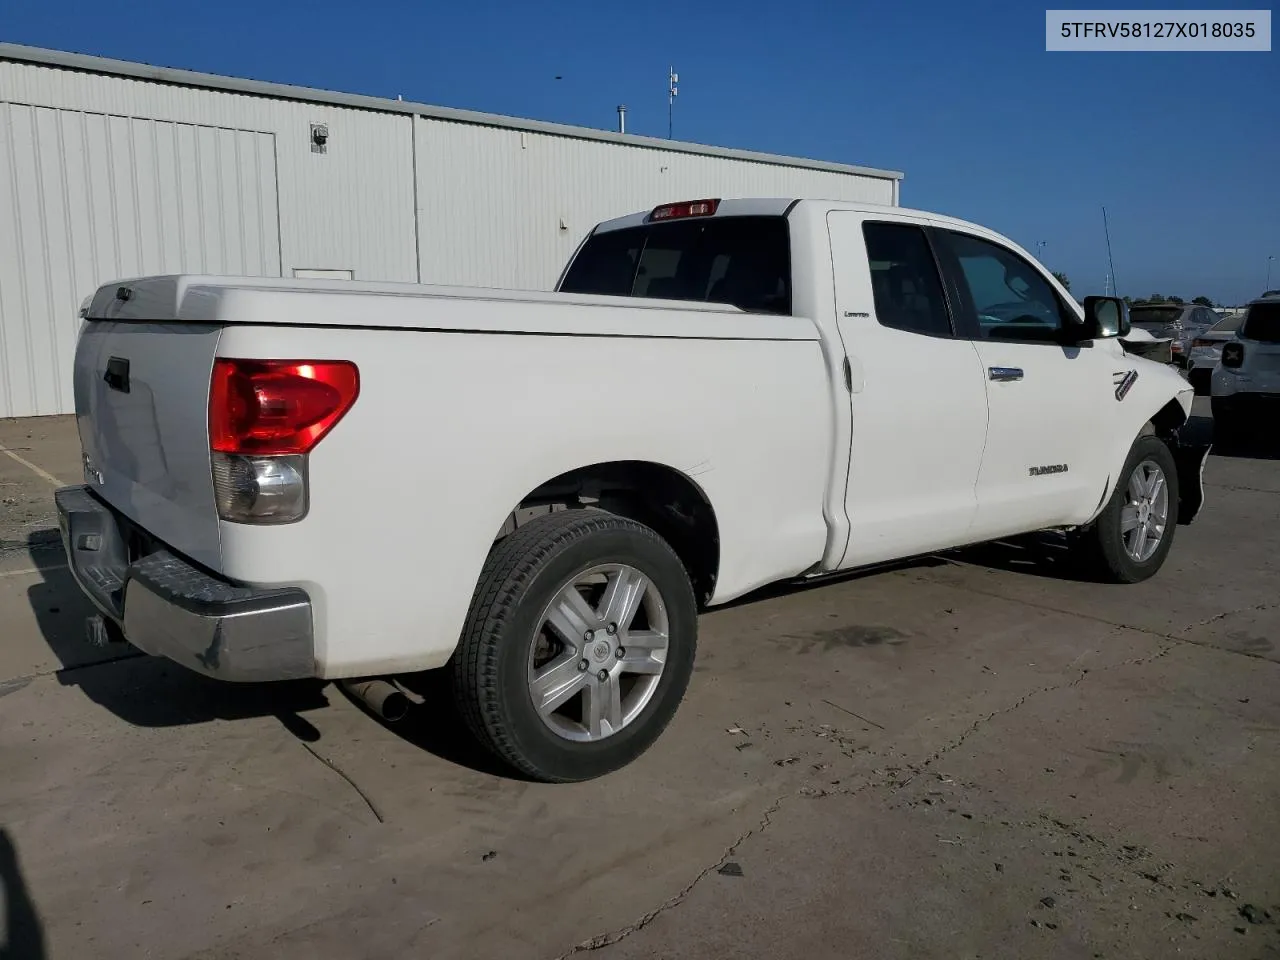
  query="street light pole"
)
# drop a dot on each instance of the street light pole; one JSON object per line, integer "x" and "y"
{"x": 1040, "y": 245}
{"x": 1268, "y": 286}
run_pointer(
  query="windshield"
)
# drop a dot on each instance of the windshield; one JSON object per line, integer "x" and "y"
{"x": 1262, "y": 323}
{"x": 1229, "y": 325}
{"x": 742, "y": 261}
{"x": 1152, "y": 317}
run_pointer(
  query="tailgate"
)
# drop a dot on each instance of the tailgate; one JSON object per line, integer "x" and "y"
{"x": 141, "y": 393}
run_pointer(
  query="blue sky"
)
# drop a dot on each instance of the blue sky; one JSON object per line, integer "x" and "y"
{"x": 1183, "y": 149}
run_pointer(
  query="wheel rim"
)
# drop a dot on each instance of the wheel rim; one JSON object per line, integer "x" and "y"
{"x": 598, "y": 653}
{"x": 1145, "y": 515}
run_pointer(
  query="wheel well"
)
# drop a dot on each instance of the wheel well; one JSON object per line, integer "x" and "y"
{"x": 649, "y": 493}
{"x": 1167, "y": 420}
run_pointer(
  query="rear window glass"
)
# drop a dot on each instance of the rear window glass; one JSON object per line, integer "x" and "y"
{"x": 742, "y": 261}
{"x": 1262, "y": 323}
{"x": 1229, "y": 325}
{"x": 1154, "y": 316}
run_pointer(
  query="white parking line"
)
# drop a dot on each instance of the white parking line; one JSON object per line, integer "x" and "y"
{"x": 28, "y": 570}
{"x": 38, "y": 471}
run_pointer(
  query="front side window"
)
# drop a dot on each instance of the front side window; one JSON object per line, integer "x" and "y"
{"x": 1009, "y": 299}
{"x": 905, "y": 284}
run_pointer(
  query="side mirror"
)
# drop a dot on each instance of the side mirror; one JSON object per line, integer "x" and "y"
{"x": 1105, "y": 317}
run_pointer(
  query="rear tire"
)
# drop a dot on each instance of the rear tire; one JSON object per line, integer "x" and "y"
{"x": 1117, "y": 546}
{"x": 539, "y": 613}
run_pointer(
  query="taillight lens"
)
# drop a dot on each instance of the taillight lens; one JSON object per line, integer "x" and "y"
{"x": 1232, "y": 354}
{"x": 264, "y": 417}
{"x": 278, "y": 407}
{"x": 260, "y": 489}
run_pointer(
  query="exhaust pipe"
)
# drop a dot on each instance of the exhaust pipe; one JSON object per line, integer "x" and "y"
{"x": 383, "y": 698}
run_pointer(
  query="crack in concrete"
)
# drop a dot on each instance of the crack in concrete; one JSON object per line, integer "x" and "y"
{"x": 984, "y": 720}
{"x": 608, "y": 939}
{"x": 1222, "y": 616}
{"x": 1174, "y": 638}
{"x": 1233, "y": 486}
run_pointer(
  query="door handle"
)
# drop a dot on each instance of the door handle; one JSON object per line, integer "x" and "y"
{"x": 1004, "y": 374}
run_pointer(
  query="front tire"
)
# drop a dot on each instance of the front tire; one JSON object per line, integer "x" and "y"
{"x": 578, "y": 647}
{"x": 1131, "y": 538}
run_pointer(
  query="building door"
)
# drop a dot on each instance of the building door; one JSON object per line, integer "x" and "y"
{"x": 87, "y": 198}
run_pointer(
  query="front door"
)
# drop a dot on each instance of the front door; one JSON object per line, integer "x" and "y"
{"x": 917, "y": 391}
{"x": 1046, "y": 395}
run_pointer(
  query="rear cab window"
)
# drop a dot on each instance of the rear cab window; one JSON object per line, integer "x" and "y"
{"x": 742, "y": 261}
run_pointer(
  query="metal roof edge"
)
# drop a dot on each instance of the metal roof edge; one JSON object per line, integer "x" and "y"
{"x": 126, "y": 68}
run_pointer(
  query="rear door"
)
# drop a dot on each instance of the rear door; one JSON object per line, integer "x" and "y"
{"x": 917, "y": 393}
{"x": 1047, "y": 399}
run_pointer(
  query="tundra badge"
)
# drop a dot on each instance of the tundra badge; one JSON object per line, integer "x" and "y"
{"x": 1047, "y": 469}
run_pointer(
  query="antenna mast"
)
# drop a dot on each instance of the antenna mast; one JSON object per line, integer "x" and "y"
{"x": 672, "y": 79}
{"x": 1110, "y": 263}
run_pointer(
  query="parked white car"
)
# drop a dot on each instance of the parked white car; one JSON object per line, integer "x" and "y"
{"x": 1245, "y": 388}
{"x": 537, "y": 492}
{"x": 1207, "y": 348}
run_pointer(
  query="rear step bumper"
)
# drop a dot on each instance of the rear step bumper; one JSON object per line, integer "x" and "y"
{"x": 167, "y": 607}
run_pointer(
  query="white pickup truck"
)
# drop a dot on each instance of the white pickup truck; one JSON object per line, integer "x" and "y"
{"x": 538, "y": 492}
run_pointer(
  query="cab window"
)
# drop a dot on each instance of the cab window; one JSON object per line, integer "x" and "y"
{"x": 905, "y": 284}
{"x": 1003, "y": 296}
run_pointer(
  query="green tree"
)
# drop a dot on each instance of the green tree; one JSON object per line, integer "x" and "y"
{"x": 1176, "y": 300}
{"x": 1203, "y": 301}
{"x": 1155, "y": 298}
{"x": 1062, "y": 279}
{"x": 1128, "y": 301}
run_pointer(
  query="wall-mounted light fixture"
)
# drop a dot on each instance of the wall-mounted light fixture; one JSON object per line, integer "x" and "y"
{"x": 319, "y": 138}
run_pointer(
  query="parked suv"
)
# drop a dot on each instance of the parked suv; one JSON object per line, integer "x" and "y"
{"x": 1246, "y": 382}
{"x": 1179, "y": 322}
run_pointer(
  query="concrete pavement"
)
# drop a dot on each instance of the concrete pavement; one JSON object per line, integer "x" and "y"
{"x": 967, "y": 757}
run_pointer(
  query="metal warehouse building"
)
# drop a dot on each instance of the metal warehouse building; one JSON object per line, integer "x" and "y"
{"x": 111, "y": 169}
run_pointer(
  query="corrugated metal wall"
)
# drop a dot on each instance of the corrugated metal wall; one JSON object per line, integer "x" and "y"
{"x": 491, "y": 201}
{"x": 103, "y": 176}
{"x": 87, "y": 197}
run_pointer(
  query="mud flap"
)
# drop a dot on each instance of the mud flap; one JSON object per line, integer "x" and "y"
{"x": 1190, "y": 457}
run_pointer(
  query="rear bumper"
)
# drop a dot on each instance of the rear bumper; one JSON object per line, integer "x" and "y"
{"x": 170, "y": 608}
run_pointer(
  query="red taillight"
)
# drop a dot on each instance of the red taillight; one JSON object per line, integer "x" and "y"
{"x": 1232, "y": 354}
{"x": 690, "y": 208}
{"x": 278, "y": 407}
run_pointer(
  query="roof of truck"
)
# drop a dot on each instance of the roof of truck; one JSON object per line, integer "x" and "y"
{"x": 782, "y": 206}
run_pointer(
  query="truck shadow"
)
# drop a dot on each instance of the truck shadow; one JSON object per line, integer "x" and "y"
{"x": 150, "y": 691}
{"x": 141, "y": 690}
{"x": 23, "y": 931}
{"x": 1037, "y": 554}
{"x": 437, "y": 728}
